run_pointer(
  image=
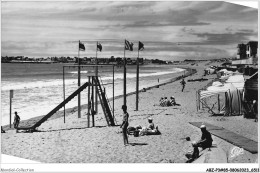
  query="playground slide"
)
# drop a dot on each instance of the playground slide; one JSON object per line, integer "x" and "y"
{"x": 32, "y": 128}
{"x": 104, "y": 104}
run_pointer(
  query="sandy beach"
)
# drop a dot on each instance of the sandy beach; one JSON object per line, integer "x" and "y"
{"x": 73, "y": 142}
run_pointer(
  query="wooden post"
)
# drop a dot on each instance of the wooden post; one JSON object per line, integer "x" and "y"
{"x": 92, "y": 101}
{"x": 218, "y": 104}
{"x": 199, "y": 98}
{"x": 79, "y": 105}
{"x": 64, "y": 93}
{"x": 137, "y": 81}
{"x": 124, "y": 83}
{"x": 89, "y": 102}
{"x": 11, "y": 96}
{"x": 96, "y": 97}
{"x": 113, "y": 92}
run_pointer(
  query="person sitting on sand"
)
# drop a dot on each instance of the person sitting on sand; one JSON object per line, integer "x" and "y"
{"x": 163, "y": 101}
{"x": 195, "y": 154}
{"x": 206, "y": 139}
{"x": 172, "y": 101}
{"x": 150, "y": 130}
{"x": 16, "y": 120}
{"x": 151, "y": 124}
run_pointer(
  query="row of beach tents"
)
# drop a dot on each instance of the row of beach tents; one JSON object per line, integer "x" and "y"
{"x": 237, "y": 96}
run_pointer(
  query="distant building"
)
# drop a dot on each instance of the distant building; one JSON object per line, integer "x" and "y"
{"x": 241, "y": 51}
{"x": 251, "y": 49}
{"x": 247, "y": 54}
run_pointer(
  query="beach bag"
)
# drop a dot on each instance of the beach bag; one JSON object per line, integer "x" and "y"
{"x": 136, "y": 133}
{"x": 130, "y": 130}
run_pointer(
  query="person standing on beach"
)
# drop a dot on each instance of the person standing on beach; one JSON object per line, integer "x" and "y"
{"x": 124, "y": 125}
{"x": 183, "y": 83}
{"x": 16, "y": 120}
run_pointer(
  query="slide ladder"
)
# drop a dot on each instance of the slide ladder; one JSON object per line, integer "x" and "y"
{"x": 104, "y": 103}
{"x": 33, "y": 128}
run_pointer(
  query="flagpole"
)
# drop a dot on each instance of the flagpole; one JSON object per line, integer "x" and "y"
{"x": 79, "y": 108}
{"x": 124, "y": 76}
{"x": 96, "y": 98}
{"x": 137, "y": 80}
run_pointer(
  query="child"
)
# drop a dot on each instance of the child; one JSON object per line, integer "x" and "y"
{"x": 192, "y": 156}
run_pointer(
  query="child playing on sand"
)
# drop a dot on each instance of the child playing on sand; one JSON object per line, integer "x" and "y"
{"x": 16, "y": 120}
{"x": 124, "y": 125}
{"x": 192, "y": 156}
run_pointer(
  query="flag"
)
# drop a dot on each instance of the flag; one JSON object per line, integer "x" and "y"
{"x": 99, "y": 47}
{"x": 128, "y": 45}
{"x": 81, "y": 46}
{"x": 140, "y": 46}
{"x": 11, "y": 93}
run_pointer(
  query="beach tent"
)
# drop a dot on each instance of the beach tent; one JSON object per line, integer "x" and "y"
{"x": 250, "y": 99}
{"x": 210, "y": 70}
{"x": 232, "y": 88}
{"x": 233, "y": 101}
{"x": 237, "y": 80}
{"x": 224, "y": 74}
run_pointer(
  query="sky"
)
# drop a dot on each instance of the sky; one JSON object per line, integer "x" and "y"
{"x": 170, "y": 30}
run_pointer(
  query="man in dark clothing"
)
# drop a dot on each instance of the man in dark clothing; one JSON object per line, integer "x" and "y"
{"x": 206, "y": 139}
{"x": 16, "y": 120}
{"x": 183, "y": 83}
{"x": 124, "y": 125}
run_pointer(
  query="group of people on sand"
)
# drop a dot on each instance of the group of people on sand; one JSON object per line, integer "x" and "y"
{"x": 165, "y": 102}
{"x": 205, "y": 142}
{"x": 150, "y": 129}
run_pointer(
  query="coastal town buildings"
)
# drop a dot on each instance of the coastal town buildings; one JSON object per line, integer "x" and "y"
{"x": 247, "y": 54}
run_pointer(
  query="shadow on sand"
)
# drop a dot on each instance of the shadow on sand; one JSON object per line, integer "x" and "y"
{"x": 134, "y": 144}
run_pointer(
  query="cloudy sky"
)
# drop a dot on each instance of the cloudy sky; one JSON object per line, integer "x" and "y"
{"x": 171, "y": 30}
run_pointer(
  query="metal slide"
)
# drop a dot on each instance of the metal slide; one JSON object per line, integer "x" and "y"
{"x": 33, "y": 128}
{"x": 104, "y": 103}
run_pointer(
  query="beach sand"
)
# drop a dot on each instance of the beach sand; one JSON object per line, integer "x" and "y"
{"x": 73, "y": 142}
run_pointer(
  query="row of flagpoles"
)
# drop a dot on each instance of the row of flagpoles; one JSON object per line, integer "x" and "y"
{"x": 128, "y": 46}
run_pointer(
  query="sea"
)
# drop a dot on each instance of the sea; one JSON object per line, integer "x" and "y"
{"x": 38, "y": 88}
